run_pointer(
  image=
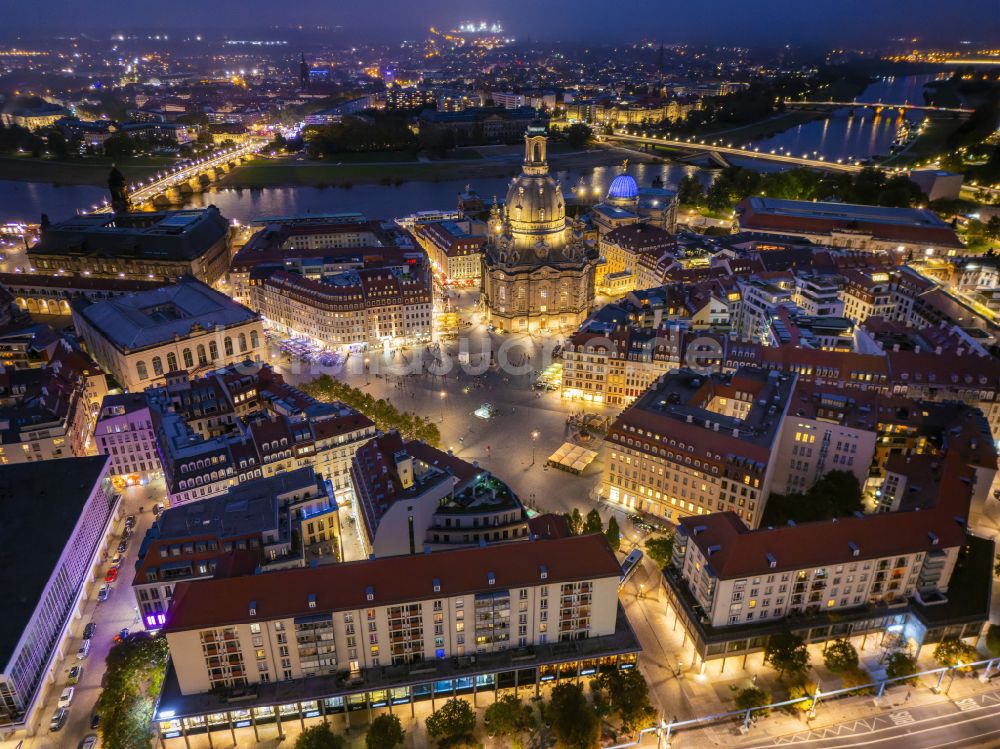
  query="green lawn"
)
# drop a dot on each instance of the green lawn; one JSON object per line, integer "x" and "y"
{"x": 88, "y": 171}
{"x": 931, "y": 142}
{"x": 370, "y": 157}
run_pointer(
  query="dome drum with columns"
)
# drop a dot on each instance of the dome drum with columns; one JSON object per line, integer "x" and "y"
{"x": 537, "y": 270}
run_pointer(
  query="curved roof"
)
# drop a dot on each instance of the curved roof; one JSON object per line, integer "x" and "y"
{"x": 623, "y": 187}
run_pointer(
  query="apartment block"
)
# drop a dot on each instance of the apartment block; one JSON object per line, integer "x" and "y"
{"x": 395, "y": 630}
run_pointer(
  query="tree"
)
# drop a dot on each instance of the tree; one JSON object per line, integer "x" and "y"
{"x": 385, "y": 732}
{"x": 661, "y": 549}
{"x": 320, "y": 737}
{"x": 787, "y": 654}
{"x": 579, "y": 135}
{"x": 614, "y": 534}
{"x": 837, "y": 494}
{"x": 751, "y": 697}
{"x": 798, "y": 691}
{"x": 453, "y": 720}
{"x": 952, "y": 651}
{"x": 508, "y": 716}
{"x": 629, "y": 697}
{"x": 593, "y": 523}
{"x": 575, "y": 521}
{"x": 690, "y": 191}
{"x": 134, "y": 674}
{"x": 993, "y": 639}
{"x": 899, "y": 664}
{"x": 840, "y": 656}
{"x": 574, "y": 723}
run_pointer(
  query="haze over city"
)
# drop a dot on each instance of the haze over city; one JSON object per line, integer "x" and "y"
{"x": 463, "y": 375}
{"x": 848, "y": 22}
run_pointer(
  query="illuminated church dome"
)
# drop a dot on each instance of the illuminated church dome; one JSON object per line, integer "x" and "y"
{"x": 623, "y": 187}
{"x": 535, "y": 210}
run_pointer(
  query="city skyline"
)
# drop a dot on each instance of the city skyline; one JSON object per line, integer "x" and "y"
{"x": 852, "y": 24}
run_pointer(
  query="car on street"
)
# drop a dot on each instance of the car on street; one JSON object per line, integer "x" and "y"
{"x": 84, "y": 650}
{"x": 122, "y": 546}
{"x": 111, "y": 575}
{"x": 66, "y": 698}
{"x": 130, "y": 521}
{"x": 74, "y": 675}
{"x": 89, "y": 630}
{"x": 58, "y": 719}
{"x": 95, "y": 721}
{"x": 89, "y": 741}
{"x": 116, "y": 560}
{"x": 103, "y": 593}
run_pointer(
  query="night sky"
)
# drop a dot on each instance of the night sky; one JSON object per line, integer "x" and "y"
{"x": 800, "y": 22}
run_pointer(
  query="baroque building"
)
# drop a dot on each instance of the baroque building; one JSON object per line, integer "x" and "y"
{"x": 538, "y": 273}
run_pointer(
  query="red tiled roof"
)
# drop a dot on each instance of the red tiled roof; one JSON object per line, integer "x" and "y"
{"x": 342, "y": 587}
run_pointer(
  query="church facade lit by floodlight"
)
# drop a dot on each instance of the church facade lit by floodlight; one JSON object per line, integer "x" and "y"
{"x": 538, "y": 272}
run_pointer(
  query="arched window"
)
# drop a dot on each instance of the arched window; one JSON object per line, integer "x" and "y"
{"x": 202, "y": 358}
{"x": 254, "y": 339}
{"x": 227, "y": 346}
{"x": 188, "y": 358}
{"x": 243, "y": 343}
{"x": 213, "y": 350}
{"x": 172, "y": 361}
{"x": 140, "y": 370}
{"x": 157, "y": 366}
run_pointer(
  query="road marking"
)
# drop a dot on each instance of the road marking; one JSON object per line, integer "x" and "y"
{"x": 902, "y": 718}
{"x": 943, "y": 723}
{"x": 969, "y": 703}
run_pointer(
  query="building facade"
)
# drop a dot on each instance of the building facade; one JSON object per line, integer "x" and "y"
{"x": 163, "y": 245}
{"x": 537, "y": 271}
{"x": 47, "y": 583}
{"x": 140, "y": 338}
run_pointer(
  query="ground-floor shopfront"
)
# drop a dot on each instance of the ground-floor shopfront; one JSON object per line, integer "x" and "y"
{"x": 196, "y": 716}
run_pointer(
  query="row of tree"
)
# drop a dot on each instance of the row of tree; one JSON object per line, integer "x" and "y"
{"x": 385, "y": 415}
{"x": 788, "y": 655}
{"x": 134, "y": 673}
{"x": 592, "y": 523}
{"x": 567, "y": 716}
{"x": 732, "y": 184}
{"x": 375, "y": 132}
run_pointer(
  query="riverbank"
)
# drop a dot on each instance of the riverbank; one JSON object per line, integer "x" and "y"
{"x": 88, "y": 171}
{"x": 264, "y": 172}
{"x": 773, "y": 125}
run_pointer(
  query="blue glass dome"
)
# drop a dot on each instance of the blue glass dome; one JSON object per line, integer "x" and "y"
{"x": 623, "y": 187}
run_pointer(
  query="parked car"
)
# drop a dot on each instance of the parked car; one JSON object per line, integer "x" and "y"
{"x": 58, "y": 719}
{"x": 130, "y": 521}
{"x": 66, "y": 698}
{"x": 111, "y": 575}
{"x": 116, "y": 560}
{"x": 122, "y": 546}
{"x": 74, "y": 675}
{"x": 89, "y": 630}
{"x": 84, "y": 650}
{"x": 95, "y": 721}
{"x": 89, "y": 741}
{"x": 103, "y": 593}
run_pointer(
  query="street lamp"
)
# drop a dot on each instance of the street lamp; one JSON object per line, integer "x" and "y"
{"x": 534, "y": 437}
{"x": 443, "y": 396}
